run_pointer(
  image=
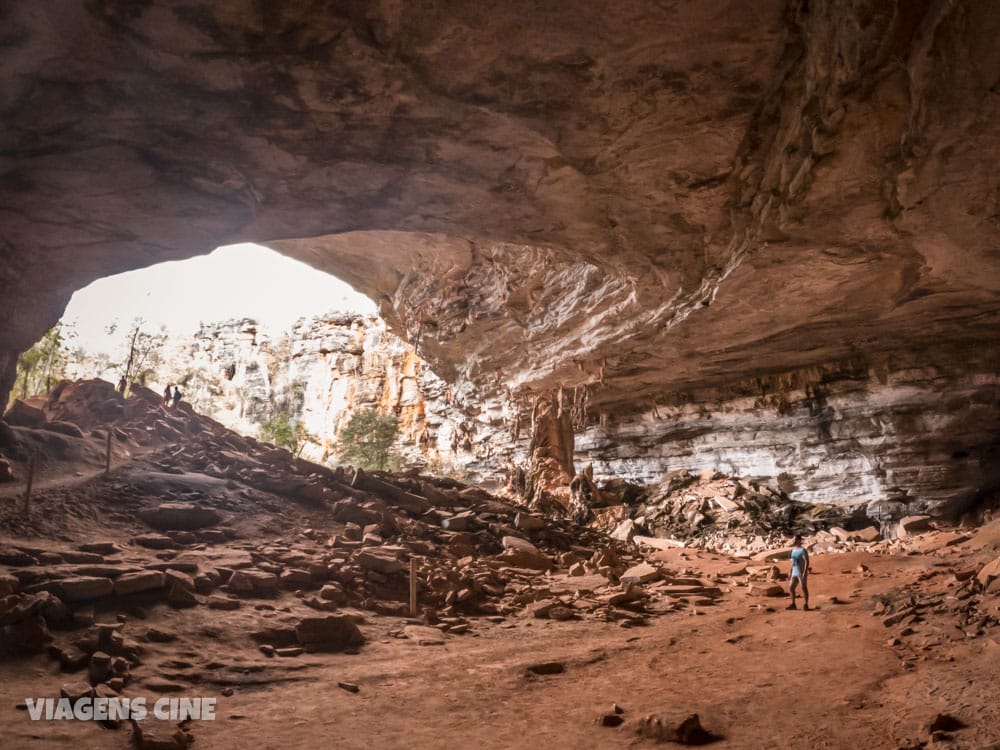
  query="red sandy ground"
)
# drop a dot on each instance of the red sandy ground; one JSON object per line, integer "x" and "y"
{"x": 761, "y": 679}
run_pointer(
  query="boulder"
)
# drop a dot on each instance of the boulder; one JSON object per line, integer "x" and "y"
{"x": 424, "y": 636}
{"x": 217, "y": 601}
{"x": 988, "y": 573}
{"x": 330, "y": 633}
{"x": 253, "y": 583}
{"x": 21, "y": 414}
{"x": 641, "y": 573}
{"x": 294, "y": 578}
{"x": 765, "y": 589}
{"x": 520, "y": 558}
{"x": 524, "y": 522}
{"x": 913, "y": 525}
{"x": 152, "y": 734}
{"x": 180, "y": 517}
{"x": 155, "y": 541}
{"x": 379, "y": 560}
{"x": 516, "y": 543}
{"x": 133, "y": 583}
{"x": 83, "y": 588}
{"x": 180, "y": 597}
{"x": 625, "y": 531}
{"x": 178, "y": 578}
{"x": 27, "y": 636}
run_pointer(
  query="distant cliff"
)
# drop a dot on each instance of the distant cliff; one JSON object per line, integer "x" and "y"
{"x": 324, "y": 369}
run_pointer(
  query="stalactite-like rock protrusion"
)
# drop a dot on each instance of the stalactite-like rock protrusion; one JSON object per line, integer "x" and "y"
{"x": 550, "y": 466}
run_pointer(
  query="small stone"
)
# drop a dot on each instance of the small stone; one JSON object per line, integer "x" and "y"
{"x": 100, "y": 667}
{"x": 611, "y": 720}
{"x": 289, "y": 651}
{"x": 350, "y": 687}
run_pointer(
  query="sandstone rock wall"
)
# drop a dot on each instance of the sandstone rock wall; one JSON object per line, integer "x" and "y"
{"x": 909, "y": 441}
{"x": 321, "y": 372}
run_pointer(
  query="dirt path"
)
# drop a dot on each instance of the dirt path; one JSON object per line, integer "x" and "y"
{"x": 759, "y": 678}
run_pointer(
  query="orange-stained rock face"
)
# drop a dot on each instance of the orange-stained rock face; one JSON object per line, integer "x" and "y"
{"x": 648, "y": 198}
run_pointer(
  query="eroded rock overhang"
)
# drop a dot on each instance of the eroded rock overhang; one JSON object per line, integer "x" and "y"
{"x": 648, "y": 200}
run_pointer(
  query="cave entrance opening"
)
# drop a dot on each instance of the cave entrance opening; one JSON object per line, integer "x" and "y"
{"x": 263, "y": 343}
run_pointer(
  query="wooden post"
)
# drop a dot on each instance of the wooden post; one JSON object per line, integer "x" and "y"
{"x": 107, "y": 463}
{"x": 413, "y": 587}
{"x": 31, "y": 480}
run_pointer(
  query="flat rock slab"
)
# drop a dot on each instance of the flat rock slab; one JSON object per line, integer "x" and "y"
{"x": 378, "y": 560}
{"x": 253, "y": 582}
{"x": 521, "y": 558}
{"x": 572, "y": 584}
{"x": 658, "y": 543}
{"x": 180, "y": 517}
{"x": 84, "y": 588}
{"x": 424, "y": 636}
{"x": 641, "y": 573}
{"x": 133, "y": 583}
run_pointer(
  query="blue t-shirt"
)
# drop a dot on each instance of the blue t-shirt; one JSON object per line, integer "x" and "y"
{"x": 798, "y": 553}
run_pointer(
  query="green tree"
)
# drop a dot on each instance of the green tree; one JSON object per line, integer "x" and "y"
{"x": 285, "y": 432}
{"x": 44, "y": 363}
{"x": 367, "y": 440}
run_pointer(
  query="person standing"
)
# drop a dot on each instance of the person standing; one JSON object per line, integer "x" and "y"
{"x": 800, "y": 572}
{"x": 177, "y": 396}
{"x": 166, "y": 397}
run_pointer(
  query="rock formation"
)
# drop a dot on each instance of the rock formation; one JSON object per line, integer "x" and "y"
{"x": 653, "y": 204}
{"x": 322, "y": 371}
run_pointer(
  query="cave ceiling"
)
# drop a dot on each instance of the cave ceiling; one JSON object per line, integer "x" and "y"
{"x": 646, "y": 197}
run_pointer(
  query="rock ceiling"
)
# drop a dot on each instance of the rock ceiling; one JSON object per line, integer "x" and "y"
{"x": 648, "y": 196}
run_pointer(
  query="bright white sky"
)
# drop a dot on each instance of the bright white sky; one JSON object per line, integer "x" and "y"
{"x": 236, "y": 281}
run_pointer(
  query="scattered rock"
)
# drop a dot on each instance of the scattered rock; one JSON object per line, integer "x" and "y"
{"x": 350, "y": 687}
{"x": 379, "y": 560}
{"x": 150, "y": 734}
{"x": 687, "y": 732}
{"x": 330, "y": 633}
{"x": 84, "y": 588}
{"x": 641, "y": 573}
{"x": 180, "y": 517}
{"x": 424, "y": 636}
{"x": 133, "y": 583}
{"x": 181, "y": 598}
